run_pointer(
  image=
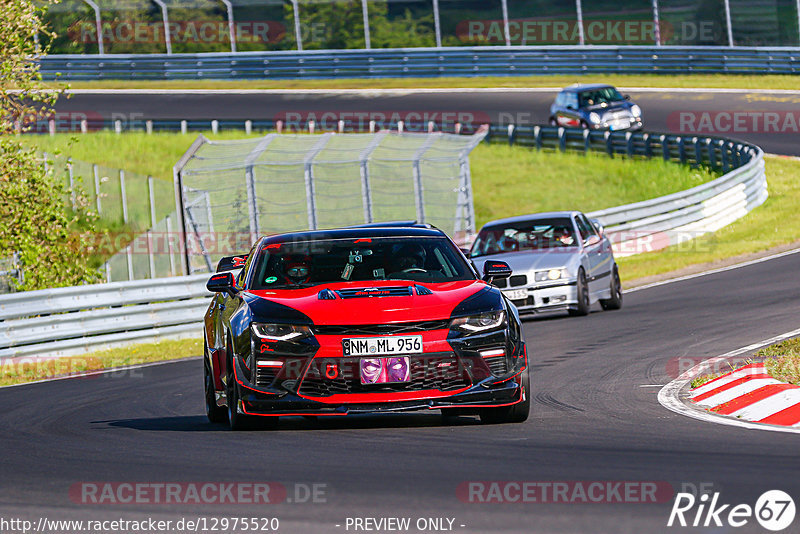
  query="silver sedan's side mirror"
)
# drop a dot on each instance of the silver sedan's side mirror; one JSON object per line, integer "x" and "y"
{"x": 597, "y": 224}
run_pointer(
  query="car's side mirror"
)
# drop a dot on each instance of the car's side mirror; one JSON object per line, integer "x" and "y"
{"x": 627, "y": 97}
{"x": 222, "y": 283}
{"x": 592, "y": 240}
{"x": 465, "y": 251}
{"x": 597, "y": 224}
{"x": 495, "y": 270}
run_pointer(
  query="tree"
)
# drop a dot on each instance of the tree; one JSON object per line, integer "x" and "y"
{"x": 34, "y": 220}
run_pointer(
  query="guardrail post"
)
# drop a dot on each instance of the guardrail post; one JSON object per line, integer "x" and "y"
{"x": 51, "y": 127}
{"x": 726, "y": 161}
{"x": 248, "y": 127}
{"x": 712, "y": 155}
{"x": 148, "y": 127}
{"x": 562, "y": 139}
{"x": 698, "y": 151}
{"x": 511, "y": 134}
{"x": 664, "y": 140}
{"x": 97, "y": 189}
{"x": 586, "y": 141}
{"x": 184, "y": 127}
{"x": 537, "y": 137}
{"x": 124, "y": 196}
{"x": 118, "y": 126}
{"x": 681, "y": 149}
{"x": 215, "y": 126}
{"x": 648, "y": 147}
{"x": 609, "y": 143}
{"x": 629, "y": 144}
{"x": 84, "y": 126}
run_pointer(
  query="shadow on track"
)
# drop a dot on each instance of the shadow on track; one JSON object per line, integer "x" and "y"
{"x": 199, "y": 423}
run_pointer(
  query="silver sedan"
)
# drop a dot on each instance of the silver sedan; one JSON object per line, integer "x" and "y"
{"x": 561, "y": 261}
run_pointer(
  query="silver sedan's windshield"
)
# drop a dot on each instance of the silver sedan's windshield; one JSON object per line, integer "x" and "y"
{"x": 525, "y": 235}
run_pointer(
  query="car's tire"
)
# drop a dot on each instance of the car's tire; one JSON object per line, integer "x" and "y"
{"x": 582, "y": 308}
{"x": 215, "y": 414}
{"x": 615, "y": 302}
{"x": 517, "y": 413}
{"x": 584, "y": 125}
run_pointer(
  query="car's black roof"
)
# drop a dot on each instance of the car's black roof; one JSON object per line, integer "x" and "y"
{"x": 356, "y": 232}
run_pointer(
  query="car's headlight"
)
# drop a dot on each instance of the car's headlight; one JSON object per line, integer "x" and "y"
{"x": 475, "y": 324}
{"x": 594, "y": 117}
{"x": 281, "y": 332}
{"x": 550, "y": 275}
{"x": 636, "y": 111}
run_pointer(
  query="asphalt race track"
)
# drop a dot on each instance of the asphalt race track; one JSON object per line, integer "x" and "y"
{"x": 592, "y": 420}
{"x": 595, "y": 415}
{"x": 661, "y": 109}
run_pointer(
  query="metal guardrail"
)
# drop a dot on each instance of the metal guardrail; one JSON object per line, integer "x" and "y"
{"x": 672, "y": 219}
{"x": 90, "y": 317}
{"x": 70, "y": 320}
{"x": 425, "y": 62}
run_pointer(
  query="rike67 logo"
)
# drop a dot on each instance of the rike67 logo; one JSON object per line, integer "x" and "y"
{"x": 774, "y": 510}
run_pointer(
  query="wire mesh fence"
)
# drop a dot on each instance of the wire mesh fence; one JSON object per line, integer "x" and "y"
{"x": 198, "y": 26}
{"x": 234, "y": 191}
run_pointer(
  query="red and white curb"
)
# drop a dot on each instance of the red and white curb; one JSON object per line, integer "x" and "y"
{"x": 751, "y": 394}
{"x": 747, "y": 397}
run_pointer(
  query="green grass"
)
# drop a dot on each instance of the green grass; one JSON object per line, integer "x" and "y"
{"x": 772, "y": 224}
{"x": 16, "y": 373}
{"x": 783, "y": 360}
{"x": 642, "y": 80}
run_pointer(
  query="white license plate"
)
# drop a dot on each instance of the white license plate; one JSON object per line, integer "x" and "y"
{"x": 516, "y": 294}
{"x": 373, "y": 346}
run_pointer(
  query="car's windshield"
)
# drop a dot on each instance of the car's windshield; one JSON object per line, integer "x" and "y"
{"x": 603, "y": 95}
{"x": 309, "y": 263}
{"x": 536, "y": 234}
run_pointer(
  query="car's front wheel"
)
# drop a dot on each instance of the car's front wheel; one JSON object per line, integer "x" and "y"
{"x": 215, "y": 414}
{"x": 615, "y": 302}
{"x": 582, "y": 307}
{"x": 517, "y": 413}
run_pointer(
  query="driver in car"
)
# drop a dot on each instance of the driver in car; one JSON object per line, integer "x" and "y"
{"x": 297, "y": 269}
{"x": 410, "y": 257}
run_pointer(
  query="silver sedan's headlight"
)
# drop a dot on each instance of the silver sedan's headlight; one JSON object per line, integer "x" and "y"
{"x": 594, "y": 117}
{"x": 636, "y": 111}
{"x": 550, "y": 275}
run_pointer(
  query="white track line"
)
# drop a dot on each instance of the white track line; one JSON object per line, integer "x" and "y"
{"x": 408, "y": 91}
{"x": 669, "y": 396}
{"x": 714, "y": 271}
{"x": 102, "y": 371}
{"x": 769, "y": 406}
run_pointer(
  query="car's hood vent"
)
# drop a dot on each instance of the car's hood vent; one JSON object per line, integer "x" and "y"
{"x": 402, "y": 291}
{"x": 326, "y": 294}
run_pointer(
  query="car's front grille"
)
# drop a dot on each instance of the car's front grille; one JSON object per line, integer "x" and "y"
{"x": 265, "y": 375}
{"x": 379, "y": 329}
{"x": 518, "y": 280}
{"x": 438, "y": 371}
{"x": 497, "y": 364}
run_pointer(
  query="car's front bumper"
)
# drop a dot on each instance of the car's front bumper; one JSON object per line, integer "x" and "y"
{"x": 541, "y": 299}
{"x": 504, "y": 390}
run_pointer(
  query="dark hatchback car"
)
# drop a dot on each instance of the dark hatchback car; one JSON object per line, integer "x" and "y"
{"x": 595, "y": 107}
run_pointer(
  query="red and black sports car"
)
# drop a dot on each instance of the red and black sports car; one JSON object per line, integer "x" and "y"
{"x": 364, "y": 319}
